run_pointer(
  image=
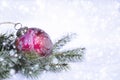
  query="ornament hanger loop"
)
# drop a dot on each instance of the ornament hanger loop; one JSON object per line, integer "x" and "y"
{"x": 16, "y": 25}
{"x": 7, "y": 23}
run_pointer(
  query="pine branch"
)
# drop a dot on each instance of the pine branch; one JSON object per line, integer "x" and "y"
{"x": 6, "y": 42}
{"x": 30, "y": 64}
{"x": 58, "y": 67}
{"x": 4, "y": 74}
{"x": 60, "y": 43}
{"x": 4, "y": 66}
{"x": 31, "y": 72}
{"x": 4, "y": 70}
{"x": 70, "y": 55}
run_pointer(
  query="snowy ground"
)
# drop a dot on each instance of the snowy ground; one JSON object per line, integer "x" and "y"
{"x": 97, "y": 23}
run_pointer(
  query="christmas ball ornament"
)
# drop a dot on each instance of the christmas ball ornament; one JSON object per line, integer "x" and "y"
{"x": 34, "y": 40}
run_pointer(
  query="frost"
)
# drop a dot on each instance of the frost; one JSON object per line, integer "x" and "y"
{"x": 1, "y": 59}
{"x": 55, "y": 61}
{"x": 12, "y": 53}
{"x": 96, "y": 22}
{"x": 12, "y": 71}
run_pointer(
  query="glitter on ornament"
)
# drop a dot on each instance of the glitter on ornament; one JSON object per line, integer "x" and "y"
{"x": 35, "y": 40}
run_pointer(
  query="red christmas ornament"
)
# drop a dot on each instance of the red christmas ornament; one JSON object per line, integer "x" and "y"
{"x": 35, "y": 40}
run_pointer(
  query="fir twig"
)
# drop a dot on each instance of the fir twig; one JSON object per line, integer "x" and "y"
{"x": 58, "y": 67}
{"x": 4, "y": 66}
{"x": 60, "y": 43}
{"x": 30, "y": 64}
{"x": 70, "y": 55}
{"x": 4, "y": 74}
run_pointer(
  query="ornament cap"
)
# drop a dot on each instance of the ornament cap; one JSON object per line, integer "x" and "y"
{"x": 21, "y": 31}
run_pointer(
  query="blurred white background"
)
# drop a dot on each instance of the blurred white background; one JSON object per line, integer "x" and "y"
{"x": 96, "y": 22}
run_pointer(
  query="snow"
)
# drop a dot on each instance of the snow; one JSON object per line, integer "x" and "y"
{"x": 96, "y": 22}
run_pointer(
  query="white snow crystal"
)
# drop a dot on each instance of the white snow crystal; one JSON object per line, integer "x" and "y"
{"x": 97, "y": 23}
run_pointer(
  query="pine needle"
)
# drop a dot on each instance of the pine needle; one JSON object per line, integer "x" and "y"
{"x": 62, "y": 42}
{"x": 70, "y": 55}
